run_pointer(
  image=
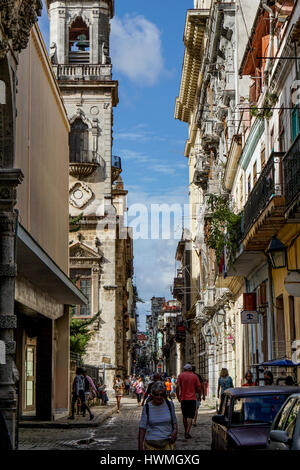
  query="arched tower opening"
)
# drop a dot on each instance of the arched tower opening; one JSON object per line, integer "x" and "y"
{"x": 79, "y": 42}
{"x": 79, "y": 142}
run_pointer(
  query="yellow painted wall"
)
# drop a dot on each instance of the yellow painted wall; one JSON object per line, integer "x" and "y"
{"x": 42, "y": 152}
{"x": 287, "y": 235}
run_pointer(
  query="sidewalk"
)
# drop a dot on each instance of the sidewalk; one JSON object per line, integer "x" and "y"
{"x": 101, "y": 413}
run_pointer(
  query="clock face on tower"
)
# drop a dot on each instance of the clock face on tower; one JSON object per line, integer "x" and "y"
{"x": 80, "y": 194}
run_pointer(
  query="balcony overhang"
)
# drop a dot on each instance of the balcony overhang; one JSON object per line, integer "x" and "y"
{"x": 234, "y": 155}
{"x": 266, "y": 225}
{"x": 193, "y": 39}
{"x": 232, "y": 282}
{"x": 244, "y": 264}
{"x": 34, "y": 264}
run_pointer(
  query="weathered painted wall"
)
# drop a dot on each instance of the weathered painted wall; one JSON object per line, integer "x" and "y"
{"x": 42, "y": 152}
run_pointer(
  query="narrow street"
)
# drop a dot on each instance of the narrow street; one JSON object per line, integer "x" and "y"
{"x": 117, "y": 433}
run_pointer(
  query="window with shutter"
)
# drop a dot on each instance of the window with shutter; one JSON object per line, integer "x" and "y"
{"x": 249, "y": 301}
{"x": 280, "y": 328}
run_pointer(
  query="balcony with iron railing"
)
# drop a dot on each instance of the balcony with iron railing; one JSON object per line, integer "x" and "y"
{"x": 264, "y": 209}
{"x": 84, "y": 162}
{"x": 178, "y": 286}
{"x": 291, "y": 178}
{"x": 201, "y": 174}
{"x": 116, "y": 167}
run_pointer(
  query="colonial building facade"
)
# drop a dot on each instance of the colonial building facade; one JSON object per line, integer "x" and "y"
{"x": 242, "y": 140}
{"x": 100, "y": 252}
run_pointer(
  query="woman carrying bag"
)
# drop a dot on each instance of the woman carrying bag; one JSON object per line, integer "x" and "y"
{"x": 158, "y": 425}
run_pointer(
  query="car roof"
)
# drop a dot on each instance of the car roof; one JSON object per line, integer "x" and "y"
{"x": 295, "y": 395}
{"x": 262, "y": 390}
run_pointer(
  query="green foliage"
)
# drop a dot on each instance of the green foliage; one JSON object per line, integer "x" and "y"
{"x": 136, "y": 295}
{"x": 266, "y": 111}
{"x": 224, "y": 228}
{"x": 80, "y": 334}
{"x": 74, "y": 224}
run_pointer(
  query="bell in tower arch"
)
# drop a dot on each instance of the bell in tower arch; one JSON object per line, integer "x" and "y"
{"x": 82, "y": 43}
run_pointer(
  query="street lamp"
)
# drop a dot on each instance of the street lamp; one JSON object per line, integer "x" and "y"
{"x": 277, "y": 253}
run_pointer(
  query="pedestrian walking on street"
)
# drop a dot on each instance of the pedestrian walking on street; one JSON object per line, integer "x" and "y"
{"x": 187, "y": 386}
{"x": 90, "y": 389}
{"x": 173, "y": 388}
{"x": 78, "y": 393}
{"x": 158, "y": 425}
{"x": 147, "y": 394}
{"x": 224, "y": 382}
{"x": 198, "y": 397}
{"x": 168, "y": 385}
{"x": 139, "y": 390}
{"x": 118, "y": 388}
{"x": 127, "y": 385}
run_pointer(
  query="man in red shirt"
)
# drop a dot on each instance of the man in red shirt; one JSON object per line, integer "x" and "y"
{"x": 187, "y": 386}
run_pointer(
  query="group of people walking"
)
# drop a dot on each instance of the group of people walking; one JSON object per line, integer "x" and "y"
{"x": 84, "y": 390}
{"x": 158, "y": 426}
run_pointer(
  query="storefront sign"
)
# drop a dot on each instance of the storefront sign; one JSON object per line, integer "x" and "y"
{"x": 249, "y": 317}
{"x": 2, "y": 353}
{"x": 106, "y": 359}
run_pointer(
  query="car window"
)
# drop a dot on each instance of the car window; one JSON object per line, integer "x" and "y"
{"x": 225, "y": 407}
{"x": 256, "y": 409}
{"x": 281, "y": 419}
{"x": 291, "y": 421}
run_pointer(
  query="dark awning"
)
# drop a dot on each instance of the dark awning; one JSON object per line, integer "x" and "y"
{"x": 34, "y": 264}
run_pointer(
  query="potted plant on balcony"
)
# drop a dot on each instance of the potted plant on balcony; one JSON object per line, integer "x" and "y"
{"x": 266, "y": 110}
{"x": 224, "y": 228}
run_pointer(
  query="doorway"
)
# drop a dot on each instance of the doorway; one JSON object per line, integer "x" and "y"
{"x": 29, "y": 405}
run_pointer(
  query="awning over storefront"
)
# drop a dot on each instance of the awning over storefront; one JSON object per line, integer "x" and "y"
{"x": 34, "y": 264}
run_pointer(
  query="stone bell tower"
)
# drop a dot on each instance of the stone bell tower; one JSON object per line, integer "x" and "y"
{"x": 79, "y": 52}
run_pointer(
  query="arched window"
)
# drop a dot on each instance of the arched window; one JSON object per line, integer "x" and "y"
{"x": 79, "y": 41}
{"x": 79, "y": 142}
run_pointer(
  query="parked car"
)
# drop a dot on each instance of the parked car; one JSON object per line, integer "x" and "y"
{"x": 246, "y": 416}
{"x": 285, "y": 430}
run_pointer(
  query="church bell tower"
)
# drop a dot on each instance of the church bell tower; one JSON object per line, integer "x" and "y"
{"x": 79, "y": 52}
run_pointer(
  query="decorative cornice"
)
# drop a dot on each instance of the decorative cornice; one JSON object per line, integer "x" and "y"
{"x": 194, "y": 43}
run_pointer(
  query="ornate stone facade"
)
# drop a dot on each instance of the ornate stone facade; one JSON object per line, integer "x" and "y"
{"x": 79, "y": 38}
{"x": 16, "y": 19}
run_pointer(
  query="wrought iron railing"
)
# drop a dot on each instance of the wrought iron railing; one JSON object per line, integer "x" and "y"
{"x": 267, "y": 186}
{"x": 291, "y": 171}
{"x": 116, "y": 162}
{"x": 84, "y": 156}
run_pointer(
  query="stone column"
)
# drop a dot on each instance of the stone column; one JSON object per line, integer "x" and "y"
{"x": 9, "y": 179}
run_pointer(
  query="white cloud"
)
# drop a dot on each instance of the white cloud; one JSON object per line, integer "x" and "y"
{"x": 136, "y": 49}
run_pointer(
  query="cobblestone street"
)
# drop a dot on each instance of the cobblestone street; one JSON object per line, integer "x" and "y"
{"x": 118, "y": 432}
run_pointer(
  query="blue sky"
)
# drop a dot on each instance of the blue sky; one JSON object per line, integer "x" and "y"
{"x": 147, "y": 54}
